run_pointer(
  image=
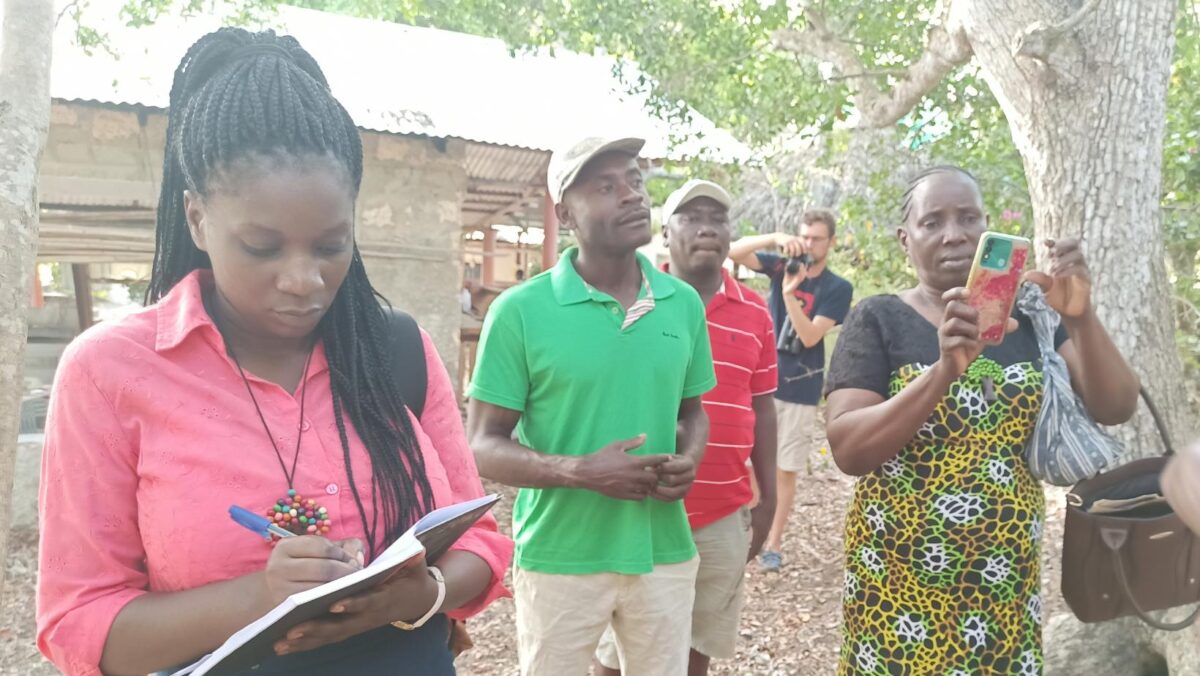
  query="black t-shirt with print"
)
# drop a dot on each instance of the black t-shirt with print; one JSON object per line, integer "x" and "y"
{"x": 883, "y": 333}
{"x": 928, "y": 529}
{"x": 802, "y": 373}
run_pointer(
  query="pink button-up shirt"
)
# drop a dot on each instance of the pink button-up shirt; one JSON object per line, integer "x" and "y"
{"x": 152, "y": 436}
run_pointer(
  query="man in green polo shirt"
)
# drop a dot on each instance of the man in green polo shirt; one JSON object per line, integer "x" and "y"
{"x": 598, "y": 364}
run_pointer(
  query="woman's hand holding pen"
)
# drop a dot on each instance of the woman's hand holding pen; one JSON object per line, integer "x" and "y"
{"x": 407, "y": 595}
{"x": 301, "y": 563}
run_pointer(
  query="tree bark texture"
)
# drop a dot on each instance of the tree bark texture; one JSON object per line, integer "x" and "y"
{"x": 1084, "y": 87}
{"x": 26, "y": 30}
{"x": 1083, "y": 84}
{"x": 1087, "y": 108}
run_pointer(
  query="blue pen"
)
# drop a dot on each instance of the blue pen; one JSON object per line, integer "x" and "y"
{"x": 259, "y": 524}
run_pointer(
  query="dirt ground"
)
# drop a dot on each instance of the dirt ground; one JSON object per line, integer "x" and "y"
{"x": 789, "y": 627}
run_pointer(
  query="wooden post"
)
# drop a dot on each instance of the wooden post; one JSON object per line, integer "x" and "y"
{"x": 489, "y": 257}
{"x": 39, "y": 299}
{"x": 83, "y": 295}
{"x": 550, "y": 228}
{"x": 522, "y": 252}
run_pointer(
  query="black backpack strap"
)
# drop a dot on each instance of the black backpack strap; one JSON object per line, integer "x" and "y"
{"x": 408, "y": 360}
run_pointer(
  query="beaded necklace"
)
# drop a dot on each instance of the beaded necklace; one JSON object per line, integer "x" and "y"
{"x": 292, "y": 512}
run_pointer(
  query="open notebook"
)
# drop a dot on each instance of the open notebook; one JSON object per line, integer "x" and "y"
{"x": 433, "y": 534}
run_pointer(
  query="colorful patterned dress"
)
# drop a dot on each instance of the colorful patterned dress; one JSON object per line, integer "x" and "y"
{"x": 942, "y": 542}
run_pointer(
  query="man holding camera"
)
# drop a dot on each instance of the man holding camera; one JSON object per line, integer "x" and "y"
{"x": 806, "y": 301}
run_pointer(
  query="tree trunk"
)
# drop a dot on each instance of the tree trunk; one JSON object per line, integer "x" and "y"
{"x": 1083, "y": 84}
{"x": 1084, "y": 87}
{"x": 1087, "y": 108}
{"x": 26, "y": 30}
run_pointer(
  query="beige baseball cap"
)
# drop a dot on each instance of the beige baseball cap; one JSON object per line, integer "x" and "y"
{"x": 566, "y": 163}
{"x": 690, "y": 191}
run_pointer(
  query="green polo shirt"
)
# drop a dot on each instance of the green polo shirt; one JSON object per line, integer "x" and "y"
{"x": 553, "y": 349}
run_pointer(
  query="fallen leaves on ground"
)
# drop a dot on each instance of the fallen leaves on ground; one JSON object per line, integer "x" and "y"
{"x": 790, "y": 625}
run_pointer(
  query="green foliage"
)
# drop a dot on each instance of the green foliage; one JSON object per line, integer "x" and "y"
{"x": 661, "y": 185}
{"x": 717, "y": 56}
{"x": 870, "y": 257}
{"x": 240, "y": 12}
{"x": 136, "y": 288}
{"x": 1181, "y": 189}
{"x": 138, "y": 13}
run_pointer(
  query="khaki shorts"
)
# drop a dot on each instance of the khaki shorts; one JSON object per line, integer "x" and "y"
{"x": 797, "y": 435}
{"x": 560, "y": 619}
{"x": 723, "y": 546}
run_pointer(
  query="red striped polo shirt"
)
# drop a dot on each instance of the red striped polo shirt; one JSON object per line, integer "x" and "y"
{"x": 743, "y": 349}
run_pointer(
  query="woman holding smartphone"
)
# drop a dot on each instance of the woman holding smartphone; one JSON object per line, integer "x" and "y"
{"x": 260, "y": 376}
{"x": 942, "y": 538}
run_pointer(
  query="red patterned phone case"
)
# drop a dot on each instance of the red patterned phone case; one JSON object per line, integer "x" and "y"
{"x": 994, "y": 280}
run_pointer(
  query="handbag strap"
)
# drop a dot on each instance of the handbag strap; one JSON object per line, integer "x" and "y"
{"x": 1114, "y": 539}
{"x": 1169, "y": 450}
{"x": 1031, "y": 300}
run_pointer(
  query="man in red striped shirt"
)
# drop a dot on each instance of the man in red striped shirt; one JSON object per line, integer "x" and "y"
{"x": 741, "y": 414}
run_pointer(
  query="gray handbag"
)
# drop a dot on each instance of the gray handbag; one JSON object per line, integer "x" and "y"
{"x": 1067, "y": 446}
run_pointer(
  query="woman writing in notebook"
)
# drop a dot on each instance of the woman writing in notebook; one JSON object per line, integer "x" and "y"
{"x": 259, "y": 377}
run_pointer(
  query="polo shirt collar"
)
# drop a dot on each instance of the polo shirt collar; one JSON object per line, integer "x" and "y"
{"x": 181, "y": 312}
{"x": 569, "y": 287}
{"x": 730, "y": 290}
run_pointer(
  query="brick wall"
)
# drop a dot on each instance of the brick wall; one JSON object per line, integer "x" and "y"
{"x": 409, "y": 209}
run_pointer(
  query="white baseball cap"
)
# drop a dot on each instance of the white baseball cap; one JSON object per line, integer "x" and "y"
{"x": 690, "y": 191}
{"x": 566, "y": 163}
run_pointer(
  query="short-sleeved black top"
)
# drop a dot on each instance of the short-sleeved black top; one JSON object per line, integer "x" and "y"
{"x": 942, "y": 541}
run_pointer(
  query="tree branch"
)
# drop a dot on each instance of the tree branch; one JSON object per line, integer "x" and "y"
{"x": 946, "y": 48}
{"x": 882, "y": 72}
{"x": 73, "y": 6}
{"x": 1039, "y": 39}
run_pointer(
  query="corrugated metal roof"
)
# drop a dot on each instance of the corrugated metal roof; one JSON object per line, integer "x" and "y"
{"x": 505, "y": 164}
{"x": 501, "y": 180}
{"x": 399, "y": 79}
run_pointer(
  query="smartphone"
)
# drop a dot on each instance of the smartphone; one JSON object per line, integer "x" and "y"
{"x": 994, "y": 280}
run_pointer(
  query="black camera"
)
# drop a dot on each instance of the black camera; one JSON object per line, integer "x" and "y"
{"x": 794, "y": 263}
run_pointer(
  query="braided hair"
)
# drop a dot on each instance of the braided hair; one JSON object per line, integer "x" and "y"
{"x": 242, "y": 98}
{"x": 916, "y": 181}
